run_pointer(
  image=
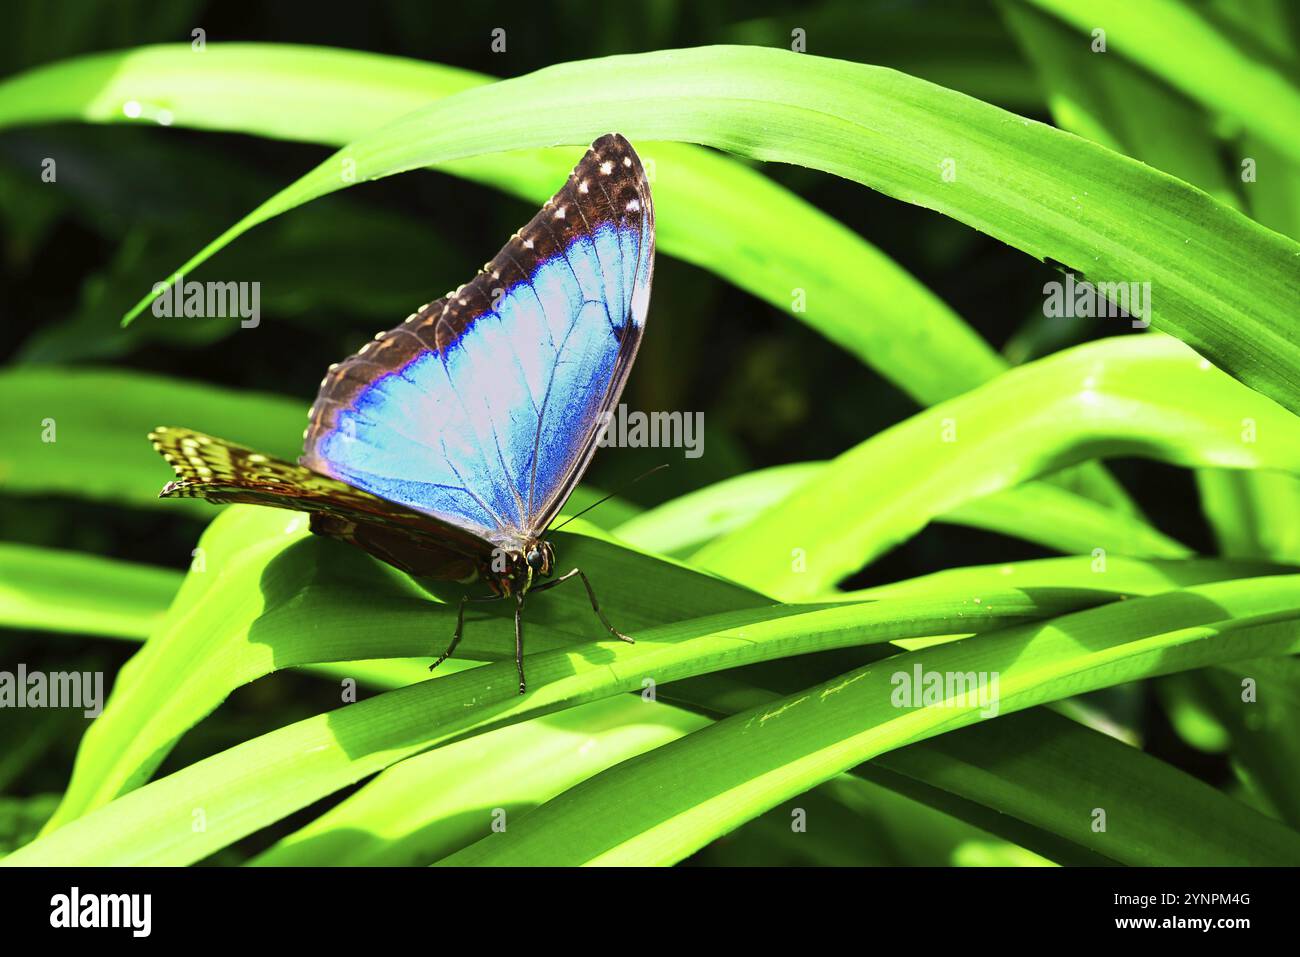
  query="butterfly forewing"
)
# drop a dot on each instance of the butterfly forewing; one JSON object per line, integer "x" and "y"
{"x": 483, "y": 409}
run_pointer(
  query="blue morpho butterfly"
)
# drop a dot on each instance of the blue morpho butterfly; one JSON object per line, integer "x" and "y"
{"x": 448, "y": 445}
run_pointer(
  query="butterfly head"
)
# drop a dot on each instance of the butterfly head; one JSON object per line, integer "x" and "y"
{"x": 525, "y": 566}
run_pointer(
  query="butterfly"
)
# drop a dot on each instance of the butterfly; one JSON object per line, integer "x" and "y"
{"x": 447, "y": 446}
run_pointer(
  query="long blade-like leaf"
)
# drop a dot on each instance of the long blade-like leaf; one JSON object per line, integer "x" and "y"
{"x": 1138, "y": 395}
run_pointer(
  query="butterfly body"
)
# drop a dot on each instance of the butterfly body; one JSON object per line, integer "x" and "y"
{"x": 447, "y": 446}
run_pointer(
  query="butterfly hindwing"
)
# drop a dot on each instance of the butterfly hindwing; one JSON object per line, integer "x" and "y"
{"x": 483, "y": 409}
{"x": 222, "y": 472}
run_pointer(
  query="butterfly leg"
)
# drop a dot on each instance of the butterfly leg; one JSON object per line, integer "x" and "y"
{"x": 460, "y": 626}
{"x": 595, "y": 605}
{"x": 519, "y": 639}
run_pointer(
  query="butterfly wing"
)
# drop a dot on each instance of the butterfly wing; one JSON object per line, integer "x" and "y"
{"x": 483, "y": 409}
{"x": 223, "y": 472}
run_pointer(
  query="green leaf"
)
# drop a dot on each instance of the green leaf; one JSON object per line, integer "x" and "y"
{"x": 1258, "y": 702}
{"x": 161, "y": 692}
{"x": 1138, "y": 395}
{"x": 1220, "y": 282}
{"x": 1118, "y": 575}
{"x": 1036, "y": 511}
{"x": 1253, "y": 514}
{"x": 414, "y": 812}
{"x": 776, "y": 751}
{"x": 1034, "y": 776}
{"x": 264, "y": 575}
{"x": 430, "y": 805}
{"x": 1055, "y": 518}
{"x": 58, "y": 590}
{"x": 965, "y": 48}
{"x": 409, "y": 814}
{"x": 1116, "y": 103}
{"x": 1176, "y": 43}
{"x": 711, "y": 211}
{"x": 680, "y": 526}
{"x": 99, "y": 422}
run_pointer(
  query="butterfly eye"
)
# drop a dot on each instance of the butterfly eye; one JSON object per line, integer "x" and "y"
{"x": 535, "y": 559}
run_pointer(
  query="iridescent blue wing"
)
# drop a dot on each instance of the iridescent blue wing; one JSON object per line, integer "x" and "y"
{"x": 483, "y": 409}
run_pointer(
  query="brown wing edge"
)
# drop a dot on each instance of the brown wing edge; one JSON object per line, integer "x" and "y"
{"x": 632, "y": 193}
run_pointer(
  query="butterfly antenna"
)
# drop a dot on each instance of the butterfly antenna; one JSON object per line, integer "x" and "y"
{"x": 645, "y": 474}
